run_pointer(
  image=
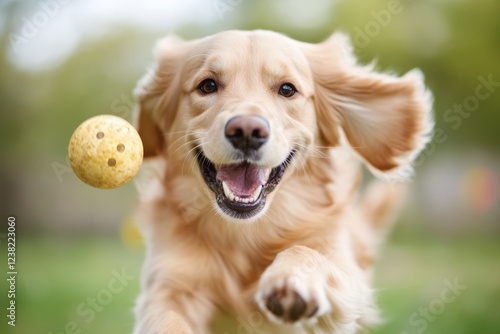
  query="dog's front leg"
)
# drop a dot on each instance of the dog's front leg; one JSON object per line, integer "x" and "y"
{"x": 172, "y": 312}
{"x": 307, "y": 287}
{"x": 171, "y": 302}
{"x": 154, "y": 318}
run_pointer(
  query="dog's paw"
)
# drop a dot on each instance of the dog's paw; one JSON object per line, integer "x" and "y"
{"x": 290, "y": 299}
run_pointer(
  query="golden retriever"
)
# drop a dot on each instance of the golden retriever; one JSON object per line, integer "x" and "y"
{"x": 253, "y": 214}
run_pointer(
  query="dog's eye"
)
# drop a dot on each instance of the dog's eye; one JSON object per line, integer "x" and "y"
{"x": 208, "y": 86}
{"x": 287, "y": 90}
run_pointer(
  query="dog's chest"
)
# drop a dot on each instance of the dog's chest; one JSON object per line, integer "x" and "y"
{"x": 241, "y": 265}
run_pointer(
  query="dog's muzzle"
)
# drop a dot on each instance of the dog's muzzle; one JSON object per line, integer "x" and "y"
{"x": 241, "y": 188}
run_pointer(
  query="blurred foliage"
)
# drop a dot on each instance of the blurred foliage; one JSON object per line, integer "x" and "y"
{"x": 47, "y": 105}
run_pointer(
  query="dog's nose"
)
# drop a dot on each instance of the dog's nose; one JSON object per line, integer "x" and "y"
{"x": 247, "y": 132}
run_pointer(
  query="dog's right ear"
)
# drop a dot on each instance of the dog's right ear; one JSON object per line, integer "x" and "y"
{"x": 157, "y": 95}
{"x": 386, "y": 119}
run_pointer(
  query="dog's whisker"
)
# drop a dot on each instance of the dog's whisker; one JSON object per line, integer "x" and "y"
{"x": 177, "y": 145}
{"x": 194, "y": 148}
{"x": 174, "y": 148}
{"x": 183, "y": 145}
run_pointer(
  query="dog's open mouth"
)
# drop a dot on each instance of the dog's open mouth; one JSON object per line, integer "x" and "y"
{"x": 241, "y": 188}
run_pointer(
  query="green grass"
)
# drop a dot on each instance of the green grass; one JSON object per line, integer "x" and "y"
{"x": 55, "y": 277}
{"x": 412, "y": 279}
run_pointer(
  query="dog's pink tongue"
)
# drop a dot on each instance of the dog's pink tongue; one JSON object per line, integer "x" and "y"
{"x": 242, "y": 178}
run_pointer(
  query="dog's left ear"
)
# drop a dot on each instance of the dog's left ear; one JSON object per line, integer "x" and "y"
{"x": 157, "y": 94}
{"x": 386, "y": 119}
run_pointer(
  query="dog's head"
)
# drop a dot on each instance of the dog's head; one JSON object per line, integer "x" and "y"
{"x": 249, "y": 107}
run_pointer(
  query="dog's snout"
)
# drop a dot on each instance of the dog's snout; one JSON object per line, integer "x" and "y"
{"x": 248, "y": 132}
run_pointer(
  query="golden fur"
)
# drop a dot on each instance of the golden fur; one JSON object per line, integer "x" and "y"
{"x": 315, "y": 240}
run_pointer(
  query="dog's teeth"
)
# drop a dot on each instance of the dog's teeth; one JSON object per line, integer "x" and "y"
{"x": 232, "y": 197}
{"x": 229, "y": 194}
{"x": 256, "y": 193}
{"x": 226, "y": 189}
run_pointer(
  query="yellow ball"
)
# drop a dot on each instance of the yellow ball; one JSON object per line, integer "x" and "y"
{"x": 105, "y": 151}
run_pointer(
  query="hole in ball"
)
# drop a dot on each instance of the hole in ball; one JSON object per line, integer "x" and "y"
{"x": 111, "y": 162}
{"x": 99, "y": 135}
{"x": 120, "y": 147}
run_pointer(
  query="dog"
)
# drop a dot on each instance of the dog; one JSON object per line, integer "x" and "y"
{"x": 252, "y": 213}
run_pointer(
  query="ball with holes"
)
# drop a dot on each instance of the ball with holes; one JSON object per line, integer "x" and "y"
{"x": 105, "y": 151}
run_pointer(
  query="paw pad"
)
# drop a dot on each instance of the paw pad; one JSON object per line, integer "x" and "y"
{"x": 289, "y": 306}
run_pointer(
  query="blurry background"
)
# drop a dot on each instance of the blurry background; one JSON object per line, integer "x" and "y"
{"x": 64, "y": 61}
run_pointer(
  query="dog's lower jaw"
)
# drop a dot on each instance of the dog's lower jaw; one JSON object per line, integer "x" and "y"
{"x": 246, "y": 212}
